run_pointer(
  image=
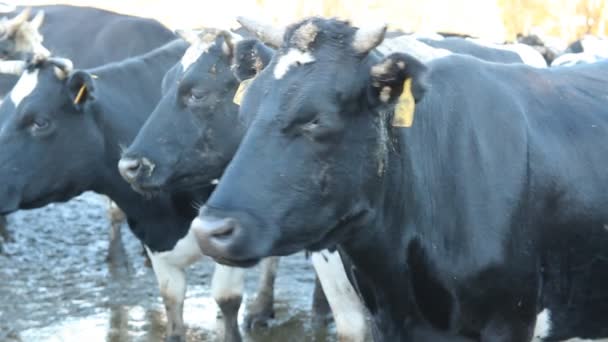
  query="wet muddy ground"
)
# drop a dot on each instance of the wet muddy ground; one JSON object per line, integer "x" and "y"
{"x": 55, "y": 285}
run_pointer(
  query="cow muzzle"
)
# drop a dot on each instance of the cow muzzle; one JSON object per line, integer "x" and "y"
{"x": 133, "y": 169}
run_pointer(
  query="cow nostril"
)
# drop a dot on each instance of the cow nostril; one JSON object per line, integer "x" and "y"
{"x": 225, "y": 231}
{"x": 129, "y": 168}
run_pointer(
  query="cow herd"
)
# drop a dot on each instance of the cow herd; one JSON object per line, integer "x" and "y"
{"x": 448, "y": 189}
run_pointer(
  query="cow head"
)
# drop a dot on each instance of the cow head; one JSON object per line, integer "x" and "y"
{"x": 50, "y": 147}
{"x": 20, "y": 38}
{"x": 313, "y": 162}
{"x": 194, "y": 131}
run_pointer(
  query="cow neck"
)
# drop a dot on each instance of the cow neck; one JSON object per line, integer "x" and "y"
{"x": 378, "y": 250}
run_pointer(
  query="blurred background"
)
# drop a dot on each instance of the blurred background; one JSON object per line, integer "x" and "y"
{"x": 496, "y": 20}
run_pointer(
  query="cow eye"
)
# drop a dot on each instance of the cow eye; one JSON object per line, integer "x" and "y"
{"x": 39, "y": 125}
{"x": 196, "y": 97}
{"x": 311, "y": 125}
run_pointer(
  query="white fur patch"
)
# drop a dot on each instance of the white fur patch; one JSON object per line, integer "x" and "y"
{"x": 570, "y": 59}
{"x": 169, "y": 267}
{"x": 349, "y": 313}
{"x": 227, "y": 282}
{"x": 292, "y": 57}
{"x": 24, "y": 87}
{"x": 543, "y": 324}
{"x": 193, "y": 53}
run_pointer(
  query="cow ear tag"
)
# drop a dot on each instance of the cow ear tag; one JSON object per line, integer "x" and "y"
{"x": 404, "y": 109}
{"x": 240, "y": 92}
{"x": 80, "y": 94}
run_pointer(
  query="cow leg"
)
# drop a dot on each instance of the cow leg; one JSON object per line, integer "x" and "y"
{"x": 169, "y": 270}
{"x": 508, "y": 330}
{"x": 349, "y": 313}
{"x": 262, "y": 309}
{"x": 320, "y": 306}
{"x": 116, "y": 251}
{"x": 227, "y": 290}
{"x": 3, "y": 231}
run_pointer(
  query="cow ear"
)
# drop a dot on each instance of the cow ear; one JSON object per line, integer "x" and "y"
{"x": 398, "y": 81}
{"x": 81, "y": 88}
{"x": 251, "y": 56}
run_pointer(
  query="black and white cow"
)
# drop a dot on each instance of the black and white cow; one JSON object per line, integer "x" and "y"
{"x": 469, "y": 196}
{"x": 191, "y": 137}
{"x": 88, "y": 36}
{"x": 587, "y": 50}
{"x": 502, "y": 53}
{"x": 82, "y": 118}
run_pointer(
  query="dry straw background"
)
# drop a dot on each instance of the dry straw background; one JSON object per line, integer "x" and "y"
{"x": 497, "y": 20}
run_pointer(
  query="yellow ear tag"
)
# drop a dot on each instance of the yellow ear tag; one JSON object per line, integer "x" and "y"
{"x": 404, "y": 109}
{"x": 80, "y": 94}
{"x": 240, "y": 92}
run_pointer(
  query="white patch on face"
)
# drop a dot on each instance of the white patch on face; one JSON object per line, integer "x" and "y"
{"x": 292, "y": 57}
{"x": 346, "y": 306}
{"x": 543, "y": 324}
{"x": 193, "y": 53}
{"x": 24, "y": 87}
{"x": 227, "y": 282}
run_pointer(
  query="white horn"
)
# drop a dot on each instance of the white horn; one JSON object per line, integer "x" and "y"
{"x": 266, "y": 33}
{"x": 368, "y": 38}
{"x": 37, "y": 21}
{"x": 13, "y": 24}
{"x": 12, "y": 67}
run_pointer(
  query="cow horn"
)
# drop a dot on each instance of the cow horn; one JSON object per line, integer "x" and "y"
{"x": 13, "y": 24}
{"x": 367, "y": 38}
{"x": 37, "y": 21}
{"x": 266, "y": 33}
{"x": 12, "y": 67}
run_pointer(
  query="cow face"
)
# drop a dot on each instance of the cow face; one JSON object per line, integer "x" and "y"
{"x": 49, "y": 140}
{"x": 20, "y": 38}
{"x": 195, "y": 129}
{"x": 312, "y": 163}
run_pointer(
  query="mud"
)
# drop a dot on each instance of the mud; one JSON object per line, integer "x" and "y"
{"x": 56, "y": 285}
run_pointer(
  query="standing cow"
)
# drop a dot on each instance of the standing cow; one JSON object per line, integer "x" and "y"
{"x": 469, "y": 196}
{"x": 88, "y": 36}
{"x": 188, "y": 141}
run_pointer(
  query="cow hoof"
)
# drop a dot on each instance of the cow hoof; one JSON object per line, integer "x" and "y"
{"x": 175, "y": 338}
{"x": 258, "y": 319}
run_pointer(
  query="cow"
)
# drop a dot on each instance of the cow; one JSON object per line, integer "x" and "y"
{"x": 502, "y": 53}
{"x": 189, "y": 139}
{"x": 469, "y": 197}
{"x": 588, "y": 49}
{"x": 88, "y": 36}
{"x": 52, "y": 107}
{"x": 549, "y": 53}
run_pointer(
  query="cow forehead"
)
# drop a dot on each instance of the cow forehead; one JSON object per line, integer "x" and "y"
{"x": 293, "y": 57}
{"x": 24, "y": 87}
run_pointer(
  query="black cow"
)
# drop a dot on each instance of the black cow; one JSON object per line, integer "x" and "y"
{"x": 88, "y": 36}
{"x": 549, "y": 53}
{"x": 188, "y": 141}
{"x": 489, "y": 209}
{"x": 61, "y": 134}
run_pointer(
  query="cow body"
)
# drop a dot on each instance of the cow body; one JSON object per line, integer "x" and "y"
{"x": 90, "y": 36}
{"x": 488, "y": 210}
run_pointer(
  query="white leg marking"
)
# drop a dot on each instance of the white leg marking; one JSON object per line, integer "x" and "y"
{"x": 227, "y": 282}
{"x": 169, "y": 270}
{"x": 543, "y": 324}
{"x": 26, "y": 84}
{"x": 292, "y": 57}
{"x": 349, "y": 313}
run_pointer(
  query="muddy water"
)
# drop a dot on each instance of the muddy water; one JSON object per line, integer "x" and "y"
{"x": 55, "y": 285}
